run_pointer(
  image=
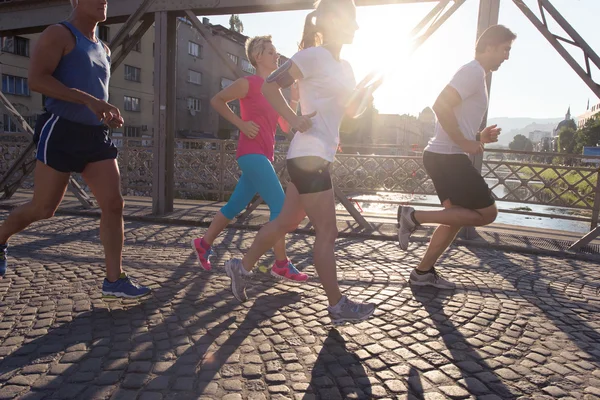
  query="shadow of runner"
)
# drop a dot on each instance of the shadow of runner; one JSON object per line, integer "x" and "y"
{"x": 338, "y": 373}
{"x": 478, "y": 377}
{"x": 568, "y": 315}
{"x": 264, "y": 308}
{"x": 93, "y": 347}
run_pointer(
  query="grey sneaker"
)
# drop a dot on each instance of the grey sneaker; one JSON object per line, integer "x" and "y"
{"x": 351, "y": 311}
{"x": 432, "y": 278}
{"x": 406, "y": 226}
{"x": 234, "y": 270}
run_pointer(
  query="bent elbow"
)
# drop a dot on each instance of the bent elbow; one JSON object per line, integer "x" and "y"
{"x": 35, "y": 83}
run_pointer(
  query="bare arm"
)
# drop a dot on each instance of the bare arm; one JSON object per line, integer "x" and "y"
{"x": 237, "y": 90}
{"x": 54, "y": 42}
{"x": 444, "y": 110}
{"x": 295, "y": 96}
{"x": 284, "y": 77}
{"x": 272, "y": 89}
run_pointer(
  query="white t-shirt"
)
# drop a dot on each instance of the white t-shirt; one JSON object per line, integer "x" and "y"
{"x": 470, "y": 84}
{"x": 325, "y": 88}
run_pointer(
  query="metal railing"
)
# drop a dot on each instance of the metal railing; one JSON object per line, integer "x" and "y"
{"x": 206, "y": 169}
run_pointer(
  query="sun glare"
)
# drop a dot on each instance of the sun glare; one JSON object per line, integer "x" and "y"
{"x": 384, "y": 44}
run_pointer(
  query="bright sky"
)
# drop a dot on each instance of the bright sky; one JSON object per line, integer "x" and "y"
{"x": 535, "y": 82}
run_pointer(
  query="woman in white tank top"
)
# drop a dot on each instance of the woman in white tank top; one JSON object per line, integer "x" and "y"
{"x": 326, "y": 86}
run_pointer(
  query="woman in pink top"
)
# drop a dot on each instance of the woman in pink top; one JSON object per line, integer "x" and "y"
{"x": 255, "y": 152}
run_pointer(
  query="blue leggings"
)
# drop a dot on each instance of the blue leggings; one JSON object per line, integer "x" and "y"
{"x": 258, "y": 176}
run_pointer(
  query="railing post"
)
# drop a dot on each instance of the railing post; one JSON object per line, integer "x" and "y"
{"x": 223, "y": 146}
{"x": 596, "y": 209}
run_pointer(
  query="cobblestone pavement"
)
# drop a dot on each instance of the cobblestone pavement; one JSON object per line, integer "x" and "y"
{"x": 518, "y": 325}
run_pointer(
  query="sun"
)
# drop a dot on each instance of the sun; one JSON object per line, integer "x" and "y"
{"x": 384, "y": 44}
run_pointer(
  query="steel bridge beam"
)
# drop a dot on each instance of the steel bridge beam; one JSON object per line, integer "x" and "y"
{"x": 23, "y": 17}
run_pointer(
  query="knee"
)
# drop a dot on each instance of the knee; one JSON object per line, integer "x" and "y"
{"x": 286, "y": 226}
{"x": 114, "y": 205}
{"x": 326, "y": 235}
{"x": 489, "y": 215}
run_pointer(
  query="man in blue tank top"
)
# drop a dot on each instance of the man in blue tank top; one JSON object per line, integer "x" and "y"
{"x": 71, "y": 67}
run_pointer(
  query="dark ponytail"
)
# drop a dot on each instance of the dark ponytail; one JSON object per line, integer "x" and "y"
{"x": 311, "y": 36}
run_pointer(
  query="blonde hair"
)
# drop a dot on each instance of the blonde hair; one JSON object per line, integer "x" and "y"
{"x": 256, "y": 46}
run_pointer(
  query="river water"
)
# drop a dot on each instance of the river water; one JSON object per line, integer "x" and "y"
{"x": 376, "y": 204}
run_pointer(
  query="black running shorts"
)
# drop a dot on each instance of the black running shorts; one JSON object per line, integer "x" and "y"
{"x": 310, "y": 174}
{"x": 68, "y": 146}
{"x": 456, "y": 179}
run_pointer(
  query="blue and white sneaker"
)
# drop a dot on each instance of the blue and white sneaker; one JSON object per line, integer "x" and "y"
{"x": 125, "y": 286}
{"x": 3, "y": 259}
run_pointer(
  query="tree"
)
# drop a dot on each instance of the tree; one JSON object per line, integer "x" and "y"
{"x": 236, "y": 24}
{"x": 588, "y": 135}
{"x": 521, "y": 143}
{"x": 566, "y": 140}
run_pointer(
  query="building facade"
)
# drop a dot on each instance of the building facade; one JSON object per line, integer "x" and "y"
{"x": 200, "y": 75}
{"x": 589, "y": 114}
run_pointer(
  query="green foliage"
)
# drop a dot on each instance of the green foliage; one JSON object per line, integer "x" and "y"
{"x": 521, "y": 143}
{"x": 236, "y": 24}
{"x": 588, "y": 135}
{"x": 566, "y": 140}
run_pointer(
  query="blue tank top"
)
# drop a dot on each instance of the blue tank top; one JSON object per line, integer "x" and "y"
{"x": 87, "y": 68}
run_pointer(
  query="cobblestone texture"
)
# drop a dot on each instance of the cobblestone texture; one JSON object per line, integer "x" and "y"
{"x": 518, "y": 326}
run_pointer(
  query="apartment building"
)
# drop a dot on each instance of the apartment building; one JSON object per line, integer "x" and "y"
{"x": 200, "y": 75}
{"x": 131, "y": 88}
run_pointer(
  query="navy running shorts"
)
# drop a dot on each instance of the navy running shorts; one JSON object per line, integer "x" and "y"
{"x": 68, "y": 146}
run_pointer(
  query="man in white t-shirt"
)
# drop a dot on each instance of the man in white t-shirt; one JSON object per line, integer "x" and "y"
{"x": 463, "y": 192}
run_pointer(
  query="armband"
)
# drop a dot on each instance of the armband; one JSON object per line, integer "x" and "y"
{"x": 282, "y": 76}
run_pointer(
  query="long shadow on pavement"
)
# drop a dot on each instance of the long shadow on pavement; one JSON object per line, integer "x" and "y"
{"x": 478, "y": 376}
{"x": 338, "y": 372}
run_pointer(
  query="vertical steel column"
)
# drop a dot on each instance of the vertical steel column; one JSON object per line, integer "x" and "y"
{"x": 164, "y": 113}
{"x": 489, "y": 11}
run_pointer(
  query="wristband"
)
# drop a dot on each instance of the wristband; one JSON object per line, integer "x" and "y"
{"x": 478, "y": 137}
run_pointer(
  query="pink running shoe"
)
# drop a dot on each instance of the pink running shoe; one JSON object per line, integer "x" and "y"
{"x": 202, "y": 253}
{"x": 288, "y": 273}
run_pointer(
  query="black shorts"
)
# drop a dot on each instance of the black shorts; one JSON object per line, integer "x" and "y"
{"x": 310, "y": 174}
{"x": 68, "y": 146}
{"x": 456, "y": 179}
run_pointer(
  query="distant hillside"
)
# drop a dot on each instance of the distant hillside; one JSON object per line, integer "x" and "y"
{"x": 512, "y": 127}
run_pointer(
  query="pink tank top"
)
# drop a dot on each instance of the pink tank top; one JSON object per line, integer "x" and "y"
{"x": 255, "y": 107}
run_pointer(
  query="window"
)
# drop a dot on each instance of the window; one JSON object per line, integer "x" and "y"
{"x": 194, "y": 49}
{"x": 247, "y": 67}
{"x": 132, "y": 131}
{"x": 225, "y": 82}
{"x": 8, "y": 125}
{"x": 16, "y": 45}
{"x": 194, "y": 77}
{"x": 132, "y": 103}
{"x": 234, "y": 58}
{"x": 138, "y": 47}
{"x": 103, "y": 33}
{"x": 15, "y": 85}
{"x": 194, "y": 104}
{"x": 133, "y": 73}
{"x": 31, "y": 120}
